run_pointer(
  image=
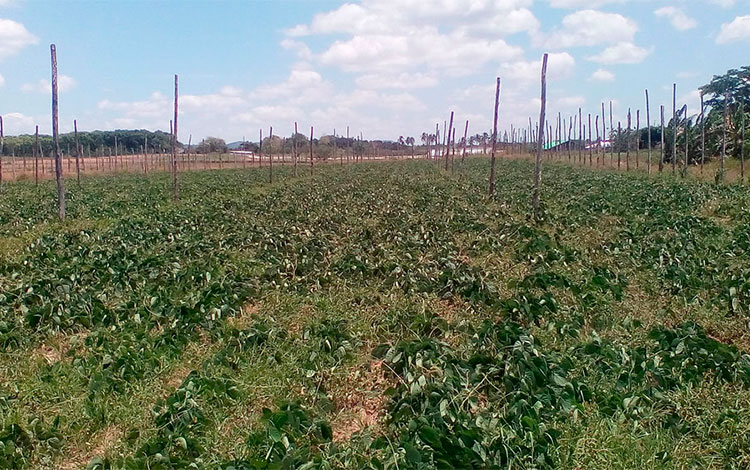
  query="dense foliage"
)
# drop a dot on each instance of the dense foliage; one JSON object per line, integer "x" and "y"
{"x": 247, "y": 325}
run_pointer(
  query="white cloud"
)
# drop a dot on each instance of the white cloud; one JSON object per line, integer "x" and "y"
{"x": 736, "y": 30}
{"x": 723, "y": 3}
{"x": 591, "y": 28}
{"x": 299, "y": 48}
{"x": 157, "y": 105}
{"x": 64, "y": 83}
{"x": 2, "y": 80}
{"x": 523, "y": 73}
{"x": 14, "y": 37}
{"x": 416, "y": 50}
{"x": 678, "y": 18}
{"x": 17, "y": 123}
{"x": 602, "y": 75}
{"x": 622, "y": 53}
{"x": 402, "y": 80}
{"x": 582, "y": 3}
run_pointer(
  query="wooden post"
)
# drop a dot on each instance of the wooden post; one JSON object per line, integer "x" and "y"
{"x": 580, "y": 135}
{"x": 619, "y": 138}
{"x": 260, "y": 147}
{"x": 463, "y": 153}
{"x": 598, "y": 141}
{"x": 190, "y": 143}
{"x": 742, "y": 142}
{"x": 674, "y": 128}
{"x": 590, "y": 149}
{"x": 570, "y": 136}
{"x": 648, "y": 128}
{"x": 703, "y": 133}
{"x": 294, "y": 151}
{"x": 448, "y": 146}
{"x": 611, "y": 130}
{"x": 494, "y": 139}
{"x": 55, "y": 138}
{"x": 270, "y": 154}
{"x": 604, "y": 137}
{"x": 627, "y": 145}
{"x": 2, "y": 143}
{"x": 36, "y": 155}
{"x": 724, "y": 136}
{"x": 453, "y": 152}
{"x": 78, "y": 151}
{"x": 661, "y": 158}
{"x": 637, "y": 137}
{"x": 145, "y": 155}
{"x": 535, "y": 200}
{"x": 687, "y": 139}
{"x": 175, "y": 189}
{"x": 312, "y": 160}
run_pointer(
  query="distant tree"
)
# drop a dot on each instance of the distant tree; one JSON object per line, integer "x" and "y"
{"x": 730, "y": 92}
{"x": 212, "y": 145}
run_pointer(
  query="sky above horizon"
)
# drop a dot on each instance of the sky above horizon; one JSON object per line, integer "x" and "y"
{"x": 384, "y": 68}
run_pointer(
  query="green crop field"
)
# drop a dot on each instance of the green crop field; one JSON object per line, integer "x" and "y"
{"x": 383, "y": 315}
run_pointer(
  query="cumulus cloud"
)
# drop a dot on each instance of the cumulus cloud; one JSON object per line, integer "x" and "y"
{"x": 736, "y": 30}
{"x": 602, "y": 75}
{"x": 591, "y": 28}
{"x": 621, "y": 53}
{"x": 64, "y": 83}
{"x": 677, "y": 18}
{"x": 14, "y": 37}
{"x": 402, "y": 80}
{"x": 2, "y": 80}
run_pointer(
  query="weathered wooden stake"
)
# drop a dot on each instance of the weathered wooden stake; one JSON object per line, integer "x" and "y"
{"x": 312, "y": 160}
{"x": 535, "y": 200}
{"x": 637, "y": 137}
{"x": 78, "y": 151}
{"x": 703, "y": 133}
{"x": 590, "y": 149}
{"x": 36, "y": 155}
{"x": 175, "y": 189}
{"x": 687, "y": 139}
{"x": 294, "y": 150}
{"x": 627, "y": 145}
{"x": 674, "y": 128}
{"x": 55, "y": 138}
{"x": 661, "y": 158}
{"x": 494, "y": 139}
{"x": 648, "y": 128}
{"x": 270, "y": 154}
{"x": 448, "y": 147}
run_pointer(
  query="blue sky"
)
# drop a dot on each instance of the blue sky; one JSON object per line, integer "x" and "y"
{"x": 383, "y": 67}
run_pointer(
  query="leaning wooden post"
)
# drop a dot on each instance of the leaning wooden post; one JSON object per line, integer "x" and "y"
{"x": 661, "y": 157}
{"x": 535, "y": 200}
{"x": 312, "y": 161}
{"x": 78, "y": 151}
{"x": 703, "y": 133}
{"x": 648, "y": 128}
{"x": 494, "y": 139}
{"x": 175, "y": 189}
{"x": 55, "y": 138}
{"x": 448, "y": 146}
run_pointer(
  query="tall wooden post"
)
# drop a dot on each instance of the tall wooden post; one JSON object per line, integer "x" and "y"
{"x": 619, "y": 139}
{"x": 661, "y": 158}
{"x": 78, "y": 151}
{"x": 612, "y": 131}
{"x": 312, "y": 160}
{"x": 294, "y": 151}
{"x": 494, "y": 139}
{"x": 463, "y": 153}
{"x": 687, "y": 140}
{"x": 648, "y": 128}
{"x": 270, "y": 154}
{"x": 604, "y": 137}
{"x": 674, "y": 128}
{"x": 637, "y": 137}
{"x": 598, "y": 142}
{"x": 724, "y": 135}
{"x": 36, "y": 155}
{"x": 627, "y": 145}
{"x": 2, "y": 143}
{"x": 590, "y": 149}
{"x": 175, "y": 189}
{"x": 535, "y": 199}
{"x": 448, "y": 146}
{"x": 703, "y": 133}
{"x": 580, "y": 135}
{"x": 55, "y": 138}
